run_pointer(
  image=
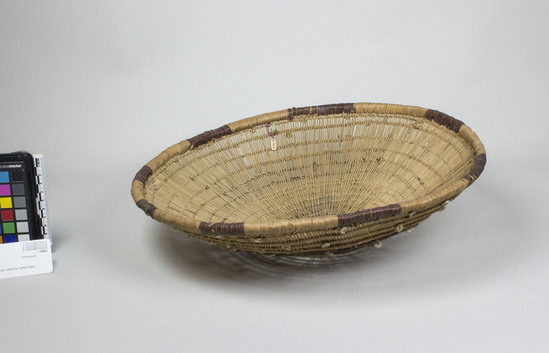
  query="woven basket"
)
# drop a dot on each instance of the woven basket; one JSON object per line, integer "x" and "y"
{"x": 314, "y": 180}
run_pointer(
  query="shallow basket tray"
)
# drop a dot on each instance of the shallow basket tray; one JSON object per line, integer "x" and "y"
{"x": 314, "y": 180}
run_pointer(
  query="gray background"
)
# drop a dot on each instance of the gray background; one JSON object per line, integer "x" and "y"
{"x": 101, "y": 87}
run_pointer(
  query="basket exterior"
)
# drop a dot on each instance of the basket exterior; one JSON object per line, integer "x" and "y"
{"x": 317, "y": 235}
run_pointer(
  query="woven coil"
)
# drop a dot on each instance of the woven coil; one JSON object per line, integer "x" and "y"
{"x": 313, "y": 180}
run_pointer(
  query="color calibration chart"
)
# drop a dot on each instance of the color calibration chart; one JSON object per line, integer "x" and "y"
{"x": 25, "y": 244}
{"x": 13, "y": 206}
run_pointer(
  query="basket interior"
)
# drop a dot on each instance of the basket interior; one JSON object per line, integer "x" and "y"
{"x": 325, "y": 165}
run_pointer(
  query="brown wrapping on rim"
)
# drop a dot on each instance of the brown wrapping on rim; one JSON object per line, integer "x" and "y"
{"x": 322, "y": 110}
{"x": 209, "y": 135}
{"x": 146, "y": 206}
{"x": 222, "y": 228}
{"x": 444, "y": 119}
{"x": 368, "y": 215}
{"x": 143, "y": 174}
{"x": 477, "y": 168}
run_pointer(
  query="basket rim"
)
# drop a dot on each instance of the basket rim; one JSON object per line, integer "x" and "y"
{"x": 312, "y": 223}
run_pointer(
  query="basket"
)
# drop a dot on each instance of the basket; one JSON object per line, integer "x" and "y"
{"x": 314, "y": 180}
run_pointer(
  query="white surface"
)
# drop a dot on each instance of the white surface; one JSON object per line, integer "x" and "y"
{"x": 101, "y": 87}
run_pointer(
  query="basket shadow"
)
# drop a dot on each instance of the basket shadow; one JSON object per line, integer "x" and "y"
{"x": 199, "y": 259}
{"x": 432, "y": 256}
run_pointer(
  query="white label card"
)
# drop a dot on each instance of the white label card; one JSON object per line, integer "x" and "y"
{"x": 25, "y": 258}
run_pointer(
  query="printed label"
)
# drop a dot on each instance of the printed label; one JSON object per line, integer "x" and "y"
{"x": 25, "y": 258}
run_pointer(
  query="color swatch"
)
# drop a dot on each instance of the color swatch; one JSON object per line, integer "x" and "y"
{"x": 14, "y": 207}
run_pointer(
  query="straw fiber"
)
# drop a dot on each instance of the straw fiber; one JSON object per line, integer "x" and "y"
{"x": 314, "y": 180}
